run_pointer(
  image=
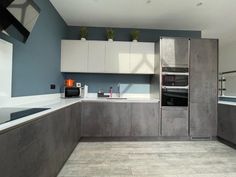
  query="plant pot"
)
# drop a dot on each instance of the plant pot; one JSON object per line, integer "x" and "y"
{"x": 83, "y": 39}
{"x": 135, "y": 40}
{"x": 110, "y": 40}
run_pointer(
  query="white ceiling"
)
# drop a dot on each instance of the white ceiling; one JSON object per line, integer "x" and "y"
{"x": 215, "y": 18}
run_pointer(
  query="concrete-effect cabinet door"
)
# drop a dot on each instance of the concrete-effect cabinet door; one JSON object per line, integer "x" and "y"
{"x": 175, "y": 121}
{"x": 203, "y": 120}
{"x": 227, "y": 122}
{"x": 144, "y": 118}
{"x": 142, "y": 57}
{"x": 174, "y": 52}
{"x": 76, "y": 114}
{"x": 74, "y": 56}
{"x": 120, "y": 118}
{"x": 95, "y": 120}
{"x": 96, "y": 56}
{"x": 117, "y": 59}
{"x": 203, "y": 87}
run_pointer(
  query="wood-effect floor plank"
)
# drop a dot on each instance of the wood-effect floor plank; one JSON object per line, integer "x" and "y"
{"x": 149, "y": 159}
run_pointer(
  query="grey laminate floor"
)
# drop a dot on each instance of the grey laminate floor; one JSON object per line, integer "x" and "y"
{"x": 159, "y": 159}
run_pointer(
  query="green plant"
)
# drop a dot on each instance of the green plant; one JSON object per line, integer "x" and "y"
{"x": 110, "y": 33}
{"x": 135, "y": 34}
{"x": 83, "y": 32}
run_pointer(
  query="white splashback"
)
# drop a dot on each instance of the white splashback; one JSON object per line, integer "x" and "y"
{"x": 6, "y": 52}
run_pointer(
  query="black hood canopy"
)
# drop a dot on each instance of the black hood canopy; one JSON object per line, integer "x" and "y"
{"x": 17, "y": 18}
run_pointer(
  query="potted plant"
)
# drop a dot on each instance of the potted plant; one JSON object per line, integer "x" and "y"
{"x": 135, "y": 34}
{"x": 83, "y": 33}
{"x": 110, "y": 34}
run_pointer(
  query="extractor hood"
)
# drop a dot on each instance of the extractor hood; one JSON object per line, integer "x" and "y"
{"x": 18, "y": 17}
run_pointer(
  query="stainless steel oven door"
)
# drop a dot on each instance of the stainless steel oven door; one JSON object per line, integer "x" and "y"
{"x": 174, "y": 96}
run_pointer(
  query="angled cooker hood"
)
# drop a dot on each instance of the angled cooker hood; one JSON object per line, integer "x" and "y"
{"x": 18, "y": 17}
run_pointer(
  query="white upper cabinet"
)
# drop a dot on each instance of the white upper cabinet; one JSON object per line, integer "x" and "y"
{"x": 107, "y": 57}
{"x": 142, "y": 57}
{"x": 117, "y": 57}
{"x": 74, "y": 56}
{"x": 96, "y": 57}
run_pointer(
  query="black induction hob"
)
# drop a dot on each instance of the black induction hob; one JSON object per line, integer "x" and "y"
{"x": 10, "y": 114}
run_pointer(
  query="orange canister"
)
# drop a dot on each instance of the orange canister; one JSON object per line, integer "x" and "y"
{"x": 69, "y": 83}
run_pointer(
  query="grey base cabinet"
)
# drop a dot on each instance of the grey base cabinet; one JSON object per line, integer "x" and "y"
{"x": 227, "y": 122}
{"x": 119, "y": 119}
{"x": 106, "y": 119}
{"x": 203, "y": 120}
{"x": 40, "y": 147}
{"x": 175, "y": 121}
{"x": 145, "y": 119}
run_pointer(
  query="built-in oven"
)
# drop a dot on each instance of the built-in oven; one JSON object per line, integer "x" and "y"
{"x": 174, "y": 86}
{"x": 174, "y": 96}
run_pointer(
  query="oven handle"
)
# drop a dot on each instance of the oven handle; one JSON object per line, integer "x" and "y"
{"x": 175, "y": 87}
{"x": 176, "y": 73}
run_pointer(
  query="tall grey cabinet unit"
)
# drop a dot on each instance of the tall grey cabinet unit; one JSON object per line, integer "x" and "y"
{"x": 203, "y": 87}
{"x": 174, "y": 55}
{"x": 174, "y": 52}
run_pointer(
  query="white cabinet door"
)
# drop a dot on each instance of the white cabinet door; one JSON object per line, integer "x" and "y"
{"x": 96, "y": 58}
{"x": 74, "y": 56}
{"x": 142, "y": 58}
{"x": 117, "y": 58}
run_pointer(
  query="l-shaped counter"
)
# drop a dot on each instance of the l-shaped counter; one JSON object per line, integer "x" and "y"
{"x": 59, "y": 103}
{"x": 58, "y": 130}
{"x": 54, "y": 133}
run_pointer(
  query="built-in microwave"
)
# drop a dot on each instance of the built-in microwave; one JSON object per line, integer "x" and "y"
{"x": 172, "y": 76}
{"x": 174, "y": 80}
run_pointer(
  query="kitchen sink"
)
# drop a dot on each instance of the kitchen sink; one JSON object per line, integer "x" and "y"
{"x": 116, "y": 98}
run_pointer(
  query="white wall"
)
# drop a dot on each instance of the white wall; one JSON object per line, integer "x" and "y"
{"x": 6, "y": 50}
{"x": 227, "y": 62}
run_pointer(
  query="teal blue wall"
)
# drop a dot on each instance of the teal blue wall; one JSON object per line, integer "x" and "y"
{"x": 123, "y": 34}
{"x": 36, "y": 64}
{"x": 130, "y": 83}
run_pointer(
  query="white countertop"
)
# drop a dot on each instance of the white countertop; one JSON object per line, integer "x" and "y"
{"x": 52, "y": 104}
{"x": 122, "y": 100}
{"x": 227, "y": 103}
{"x": 59, "y": 103}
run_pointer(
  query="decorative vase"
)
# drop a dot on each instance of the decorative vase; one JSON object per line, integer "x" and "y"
{"x": 110, "y": 40}
{"x": 83, "y": 39}
{"x": 135, "y": 40}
